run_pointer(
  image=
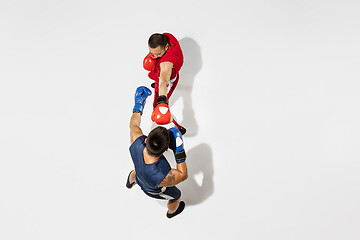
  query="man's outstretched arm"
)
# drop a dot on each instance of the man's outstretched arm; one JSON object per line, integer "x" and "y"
{"x": 135, "y": 130}
{"x": 164, "y": 79}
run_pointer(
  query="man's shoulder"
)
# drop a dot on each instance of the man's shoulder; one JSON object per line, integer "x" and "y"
{"x": 171, "y": 37}
{"x": 139, "y": 140}
{"x": 168, "y": 34}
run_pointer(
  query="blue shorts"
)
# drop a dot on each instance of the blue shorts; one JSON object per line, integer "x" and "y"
{"x": 166, "y": 193}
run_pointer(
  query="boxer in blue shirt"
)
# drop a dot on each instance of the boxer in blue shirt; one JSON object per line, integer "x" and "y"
{"x": 152, "y": 171}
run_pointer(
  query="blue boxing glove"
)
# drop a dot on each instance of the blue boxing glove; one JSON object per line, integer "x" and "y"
{"x": 140, "y": 98}
{"x": 177, "y": 145}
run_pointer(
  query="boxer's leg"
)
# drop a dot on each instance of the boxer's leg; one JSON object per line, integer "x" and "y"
{"x": 171, "y": 88}
{"x": 173, "y": 205}
{"x": 131, "y": 180}
{"x": 172, "y": 194}
{"x": 181, "y": 128}
{"x": 156, "y": 93}
{"x": 172, "y": 85}
{"x": 180, "y": 207}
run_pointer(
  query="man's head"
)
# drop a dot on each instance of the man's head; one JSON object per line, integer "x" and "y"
{"x": 158, "y": 45}
{"x": 157, "y": 141}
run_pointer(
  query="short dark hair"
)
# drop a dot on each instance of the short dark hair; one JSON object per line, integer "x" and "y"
{"x": 156, "y": 40}
{"x": 158, "y": 141}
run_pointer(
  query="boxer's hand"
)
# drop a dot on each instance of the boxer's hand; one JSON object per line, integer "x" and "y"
{"x": 149, "y": 62}
{"x": 141, "y": 94}
{"x": 177, "y": 145}
{"x": 161, "y": 114}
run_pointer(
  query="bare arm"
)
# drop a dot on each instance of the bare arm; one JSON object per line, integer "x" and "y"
{"x": 135, "y": 130}
{"x": 164, "y": 79}
{"x": 175, "y": 176}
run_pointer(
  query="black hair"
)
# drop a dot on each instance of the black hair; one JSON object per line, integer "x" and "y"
{"x": 158, "y": 141}
{"x": 156, "y": 40}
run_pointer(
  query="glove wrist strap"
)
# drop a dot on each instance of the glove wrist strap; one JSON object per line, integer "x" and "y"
{"x": 138, "y": 107}
{"x": 161, "y": 99}
{"x": 180, "y": 156}
{"x": 135, "y": 109}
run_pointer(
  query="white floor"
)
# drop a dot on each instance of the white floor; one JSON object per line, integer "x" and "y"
{"x": 269, "y": 93}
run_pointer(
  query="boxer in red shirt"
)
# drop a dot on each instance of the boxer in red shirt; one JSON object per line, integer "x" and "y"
{"x": 164, "y": 63}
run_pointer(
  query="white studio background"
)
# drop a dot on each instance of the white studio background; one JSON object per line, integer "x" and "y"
{"x": 269, "y": 93}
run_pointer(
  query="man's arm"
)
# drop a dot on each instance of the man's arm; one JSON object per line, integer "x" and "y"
{"x": 135, "y": 130}
{"x": 163, "y": 117}
{"x": 175, "y": 176}
{"x": 179, "y": 174}
{"x": 164, "y": 79}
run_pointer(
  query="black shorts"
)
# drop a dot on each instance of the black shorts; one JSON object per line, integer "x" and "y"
{"x": 167, "y": 193}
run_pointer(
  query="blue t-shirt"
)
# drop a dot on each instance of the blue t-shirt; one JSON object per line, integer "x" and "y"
{"x": 148, "y": 176}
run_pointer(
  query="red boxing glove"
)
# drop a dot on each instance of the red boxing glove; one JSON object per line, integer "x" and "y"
{"x": 161, "y": 114}
{"x": 149, "y": 62}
